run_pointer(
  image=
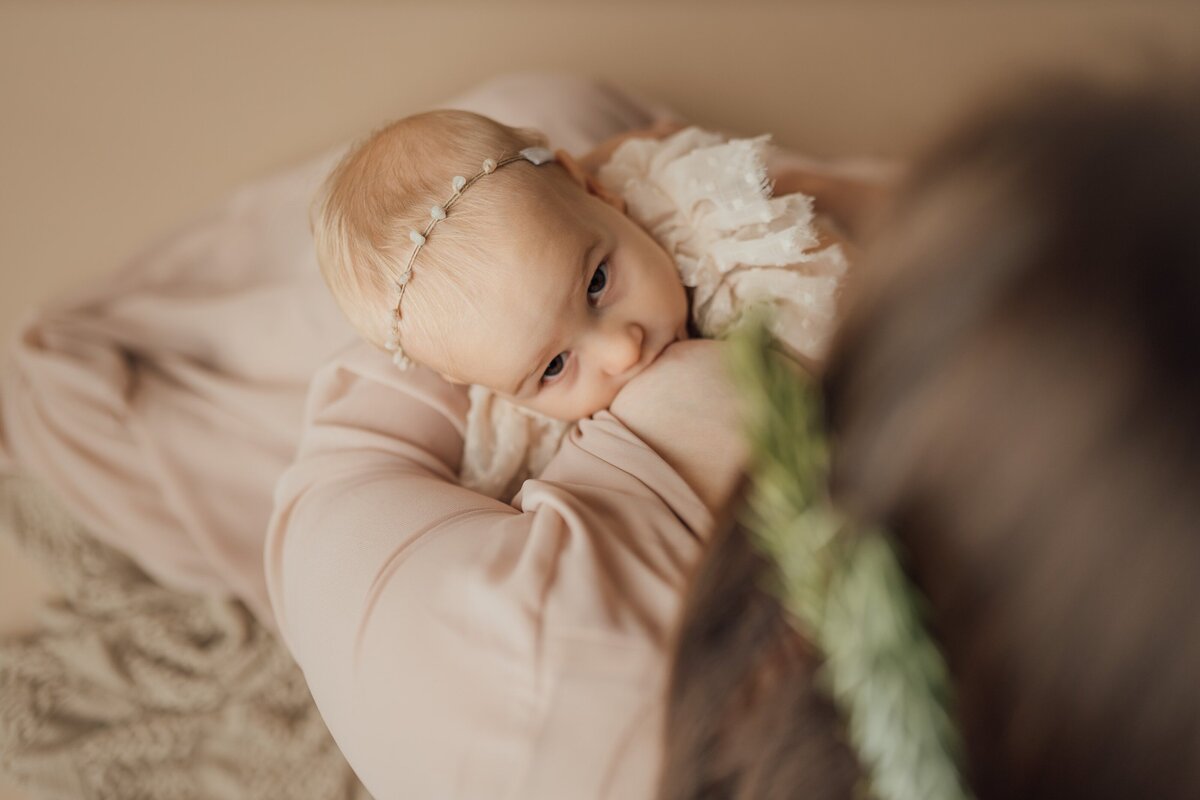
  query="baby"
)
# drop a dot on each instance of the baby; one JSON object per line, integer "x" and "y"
{"x": 469, "y": 247}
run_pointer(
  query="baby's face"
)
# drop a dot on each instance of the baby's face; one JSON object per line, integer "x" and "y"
{"x": 578, "y": 301}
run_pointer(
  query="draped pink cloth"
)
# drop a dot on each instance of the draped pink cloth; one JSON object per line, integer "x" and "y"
{"x": 164, "y": 402}
{"x": 461, "y": 647}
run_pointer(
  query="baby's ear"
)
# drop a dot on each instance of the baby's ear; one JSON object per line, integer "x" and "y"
{"x": 588, "y": 181}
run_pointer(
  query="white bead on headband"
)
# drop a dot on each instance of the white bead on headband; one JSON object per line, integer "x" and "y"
{"x": 534, "y": 155}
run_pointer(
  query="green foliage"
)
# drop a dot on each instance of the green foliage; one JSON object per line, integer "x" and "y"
{"x": 844, "y": 588}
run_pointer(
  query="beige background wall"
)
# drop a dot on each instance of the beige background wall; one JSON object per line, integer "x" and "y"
{"x": 120, "y": 120}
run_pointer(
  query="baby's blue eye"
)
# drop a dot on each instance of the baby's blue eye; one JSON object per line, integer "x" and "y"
{"x": 555, "y": 367}
{"x": 599, "y": 280}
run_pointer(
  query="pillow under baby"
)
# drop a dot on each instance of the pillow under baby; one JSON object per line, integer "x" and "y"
{"x": 707, "y": 200}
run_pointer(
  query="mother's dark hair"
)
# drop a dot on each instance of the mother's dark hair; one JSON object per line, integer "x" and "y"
{"x": 1015, "y": 394}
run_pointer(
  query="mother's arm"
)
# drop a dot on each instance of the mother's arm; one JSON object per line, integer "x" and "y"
{"x": 461, "y": 647}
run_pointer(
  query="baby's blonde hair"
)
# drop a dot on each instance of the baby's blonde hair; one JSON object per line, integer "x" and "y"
{"x": 383, "y": 188}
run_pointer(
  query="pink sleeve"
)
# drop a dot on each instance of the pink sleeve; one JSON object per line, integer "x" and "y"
{"x": 459, "y": 647}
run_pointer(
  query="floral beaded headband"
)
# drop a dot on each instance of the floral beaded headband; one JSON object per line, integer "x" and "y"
{"x": 534, "y": 155}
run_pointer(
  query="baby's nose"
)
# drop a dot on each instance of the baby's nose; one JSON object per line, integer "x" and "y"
{"x": 622, "y": 349}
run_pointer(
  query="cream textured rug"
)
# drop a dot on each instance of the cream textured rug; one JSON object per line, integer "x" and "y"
{"x": 130, "y": 690}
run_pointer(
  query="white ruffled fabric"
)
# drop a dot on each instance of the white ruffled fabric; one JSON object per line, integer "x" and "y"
{"x": 707, "y": 201}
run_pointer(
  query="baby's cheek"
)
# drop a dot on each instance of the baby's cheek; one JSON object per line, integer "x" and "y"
{"x": 592, "y": 400}
{"x": 563, "y": 405}
{"x": 609, "y": 396}
{"x": 571, "y": 404}
{"x": 677, "y": 297}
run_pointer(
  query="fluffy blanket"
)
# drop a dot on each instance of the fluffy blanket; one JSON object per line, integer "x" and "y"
{"x": 134, "y": 690}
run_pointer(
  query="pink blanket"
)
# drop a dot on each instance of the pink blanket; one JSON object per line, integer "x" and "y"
{"x": 164, "y": 402}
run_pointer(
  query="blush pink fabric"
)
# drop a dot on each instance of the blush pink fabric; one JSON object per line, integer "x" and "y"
{"x": 164, "y": 402}
{"x": 461, "y": 647}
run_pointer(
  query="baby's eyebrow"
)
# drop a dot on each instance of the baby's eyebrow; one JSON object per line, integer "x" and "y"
{"x": 542, "y": 358}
